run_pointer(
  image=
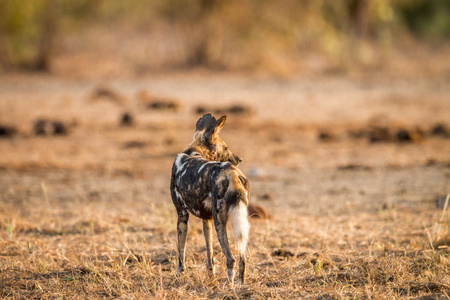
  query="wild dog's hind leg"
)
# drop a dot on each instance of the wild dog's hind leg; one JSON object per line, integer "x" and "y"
{"x": 182, "y": 227}
{"x": 209, "y": 248}
{"x": 220, "y": 222}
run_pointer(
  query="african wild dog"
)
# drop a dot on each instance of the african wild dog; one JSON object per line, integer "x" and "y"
{"x": 206, "y": 183}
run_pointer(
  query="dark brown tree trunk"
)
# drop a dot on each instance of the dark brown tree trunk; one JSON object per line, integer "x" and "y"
{"x": 49, "y": 25}
{"x": 357, "y": 11}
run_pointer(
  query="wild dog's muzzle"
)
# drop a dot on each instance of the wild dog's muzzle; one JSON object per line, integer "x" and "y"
{"x": 235, "y": 160}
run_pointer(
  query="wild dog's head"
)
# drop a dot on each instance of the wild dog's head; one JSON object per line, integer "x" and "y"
{"x": 207, "y": 141}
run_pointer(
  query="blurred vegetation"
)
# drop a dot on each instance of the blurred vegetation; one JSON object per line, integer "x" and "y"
{"x": 427, "y": 17}
{"x": 216, "y": 32}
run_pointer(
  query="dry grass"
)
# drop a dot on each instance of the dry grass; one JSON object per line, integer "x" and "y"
{"x": 108, "y": 238}
{"x": 88, "y": 216}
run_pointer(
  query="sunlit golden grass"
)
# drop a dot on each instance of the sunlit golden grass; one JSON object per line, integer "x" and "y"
{"x": 89, "y": 215}
{"x": 107, "y": 244}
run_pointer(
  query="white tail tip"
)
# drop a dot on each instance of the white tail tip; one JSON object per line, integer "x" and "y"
{"x": 241, "y": 227}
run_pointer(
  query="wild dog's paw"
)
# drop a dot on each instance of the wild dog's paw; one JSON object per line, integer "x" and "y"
{"x": 230, "y": 276}
{"x": 180, "y": 269}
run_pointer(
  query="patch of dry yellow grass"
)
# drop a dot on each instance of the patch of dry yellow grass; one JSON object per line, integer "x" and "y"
{"x": 113, "y": 244}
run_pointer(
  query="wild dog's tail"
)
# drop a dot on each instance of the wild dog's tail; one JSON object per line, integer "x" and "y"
{"x": 239, "y": 219}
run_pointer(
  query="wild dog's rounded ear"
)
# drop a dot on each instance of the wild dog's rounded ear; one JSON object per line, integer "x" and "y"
{"x": 219, "y": 125}
{"x": 213, "y": 129}
{"x": 204, "y": 122}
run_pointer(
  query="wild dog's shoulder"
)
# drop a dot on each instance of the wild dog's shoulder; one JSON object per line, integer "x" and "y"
{"x": 224, "y": 174}
{"x": 183, "y": 157}
{"x": 193, "y": 162}
{"x": 231, "y": 170}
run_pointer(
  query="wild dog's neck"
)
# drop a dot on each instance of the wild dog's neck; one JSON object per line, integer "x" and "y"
{"x": 205, "y": 153}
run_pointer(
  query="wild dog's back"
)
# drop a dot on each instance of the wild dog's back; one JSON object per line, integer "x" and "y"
{"x": 191, "y": 184}
{"x": 198, "y": 184}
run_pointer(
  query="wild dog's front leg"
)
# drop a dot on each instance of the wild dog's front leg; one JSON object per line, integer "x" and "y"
{"x": 209, "y": 247}
{"x": 182, "y": 227}
{"x": 220, "y": 222}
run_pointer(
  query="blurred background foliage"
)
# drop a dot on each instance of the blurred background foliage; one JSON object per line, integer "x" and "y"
{"x": 217, "y": 33}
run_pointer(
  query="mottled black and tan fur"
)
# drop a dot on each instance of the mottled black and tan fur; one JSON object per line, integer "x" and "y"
{"x": 207, "y": 183}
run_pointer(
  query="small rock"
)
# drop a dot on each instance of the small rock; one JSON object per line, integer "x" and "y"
{"x": 325, "y": 136}
{"x": 40, "y": 127}
{"x": 353, "y": 167}
{"x": 164, "y": 104}
{"x": 59, "y": 128}
{"x": 379, "y": 134}
{"x": 234, "y": 109}
{"x": 431, "y": 162}
{"x": 403, "y": 135}
{"x": 283, "y": 253}
{"x": 160, "y": 258}
{"x": 126, "y": 119}
{"x": 387, "y": 206}
{"x": 357, "y": 133}
{"x": 157, "y": 102}
{"x": 441, "y": 130}
{"x": 43, "y": 127}
{"x": 106, "y": 93}
{"x": 133, "y": 258}
{"x": 200, "y": 110}
{"x": 7, "y": 131}
{"x": 266, "y": 197}
{"x": 238, "y": 109}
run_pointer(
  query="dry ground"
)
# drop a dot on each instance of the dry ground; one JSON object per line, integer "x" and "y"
{"x": 88, "y": 214}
